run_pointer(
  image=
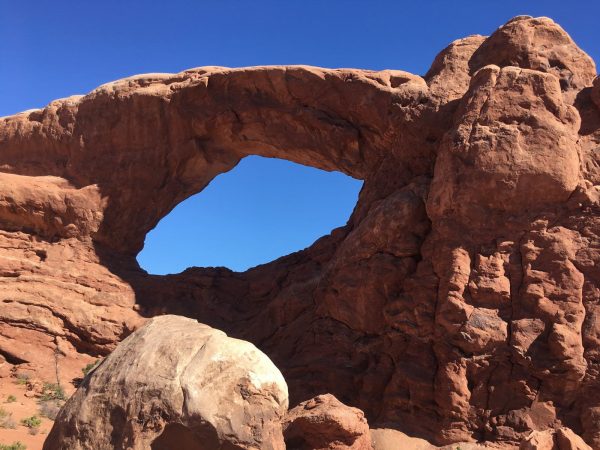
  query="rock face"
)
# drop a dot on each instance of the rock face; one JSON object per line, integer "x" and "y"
{"x": 176, "y": 384}
{"x": 390, "y": 439}
{"x": 461, "y": 302}
{"x": 325, "y": 423}
{"x": 561, "y": 439}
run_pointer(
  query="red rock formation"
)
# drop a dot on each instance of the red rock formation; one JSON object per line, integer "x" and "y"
{"x": 560, "y": 439}
{"x": 461, "y": 301}
{"x": 325, "y": 423}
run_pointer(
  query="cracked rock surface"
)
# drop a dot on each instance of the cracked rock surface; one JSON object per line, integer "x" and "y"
{"x": 176, "y": 384}
{"x": 461, "y": 301}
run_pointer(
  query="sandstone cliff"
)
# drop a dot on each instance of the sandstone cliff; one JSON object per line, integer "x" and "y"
{"x": 461, "y": 301}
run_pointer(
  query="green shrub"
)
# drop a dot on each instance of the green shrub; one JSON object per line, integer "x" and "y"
{"x": 87, "y": 369}
{"x": 14, "y": 446}
{"x": 31, "y": 422}
{"x": 52, "y": 391}
{"x": 22, "y": 378}
{"x": 11, "y": 399}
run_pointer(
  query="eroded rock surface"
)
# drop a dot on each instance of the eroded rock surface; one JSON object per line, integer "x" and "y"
{"x": 460, "y": 303}
{"x": 325, "y": 423}
{"x": 560, "y": 439}
{"x": 176, "y": 384}
{"x": 390, "y": 439}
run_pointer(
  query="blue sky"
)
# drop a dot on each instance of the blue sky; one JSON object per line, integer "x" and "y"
{"x": 263, "y": 208}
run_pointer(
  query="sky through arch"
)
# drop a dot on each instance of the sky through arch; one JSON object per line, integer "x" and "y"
{"x": 260, "y": 210}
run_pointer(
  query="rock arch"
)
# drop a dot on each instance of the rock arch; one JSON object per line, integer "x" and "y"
{"x": 147, "y": 142}
{"x": 449, "y": 306}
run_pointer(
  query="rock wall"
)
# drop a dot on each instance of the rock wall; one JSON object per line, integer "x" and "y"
{"x": 460, "y": 302}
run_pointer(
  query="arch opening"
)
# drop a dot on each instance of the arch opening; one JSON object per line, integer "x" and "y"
{"x": 262, "y": 209}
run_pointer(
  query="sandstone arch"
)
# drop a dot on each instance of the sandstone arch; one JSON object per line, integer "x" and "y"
{"x": 449, "y": 306}
{"x": 170, "y": 135}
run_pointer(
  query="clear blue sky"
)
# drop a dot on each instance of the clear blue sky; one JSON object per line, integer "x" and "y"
{"x": 263, "y": 208}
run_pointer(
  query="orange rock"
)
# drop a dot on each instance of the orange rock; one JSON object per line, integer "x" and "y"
{"x": 325, "y": 423}
{"x": 462, "y": 293}
{"x": 560, "y": 439}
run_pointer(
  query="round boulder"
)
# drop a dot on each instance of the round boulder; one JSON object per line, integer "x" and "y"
{"x": 176, "y": 384}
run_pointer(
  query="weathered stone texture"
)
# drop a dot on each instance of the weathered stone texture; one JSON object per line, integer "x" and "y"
{"x": 461, "y": 301}
{"x": 176, "y": 384}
